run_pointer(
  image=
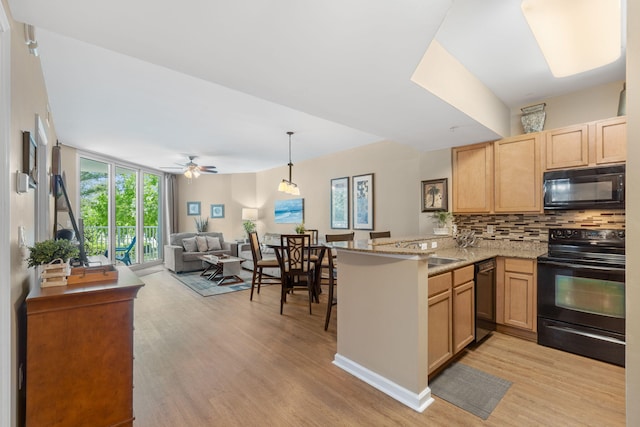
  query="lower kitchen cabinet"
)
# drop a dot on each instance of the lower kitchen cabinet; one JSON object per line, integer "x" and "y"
{"x": 440, "y": 321}
{"x": 516, "y": 292}
{"x": 463, "y": 308}
{"x": 451, "y": 314}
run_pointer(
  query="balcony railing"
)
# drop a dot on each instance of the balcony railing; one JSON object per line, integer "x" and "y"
{"x": 96, "y": 240}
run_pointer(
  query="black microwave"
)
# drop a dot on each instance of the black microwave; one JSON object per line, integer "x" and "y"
{"x": 591, "y": 188}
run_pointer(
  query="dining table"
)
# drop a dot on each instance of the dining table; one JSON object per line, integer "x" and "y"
{"x": 318, "y": 249}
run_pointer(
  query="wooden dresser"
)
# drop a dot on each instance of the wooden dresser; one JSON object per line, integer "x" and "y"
{"x": 80, "y": 353}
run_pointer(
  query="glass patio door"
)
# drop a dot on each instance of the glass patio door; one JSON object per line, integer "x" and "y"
{"x": 151, "y": 217}
{"x": 94, "y": 205}
{"x": 120, "y": 207}
{"x": 126, "y": 237}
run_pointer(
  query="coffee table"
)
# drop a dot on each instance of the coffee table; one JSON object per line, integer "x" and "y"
{"x": 222, "y": 270}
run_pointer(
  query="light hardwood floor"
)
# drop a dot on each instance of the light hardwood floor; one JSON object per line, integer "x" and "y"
{"x": 226, "y": 361}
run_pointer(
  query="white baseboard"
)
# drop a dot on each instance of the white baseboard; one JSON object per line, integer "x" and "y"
{"x": 418, "y": 402}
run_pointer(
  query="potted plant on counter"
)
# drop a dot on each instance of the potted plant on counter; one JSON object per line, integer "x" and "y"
{"x": 48, "y": 250}
{"x": 300, "y": 228}
{"x": 53, "y": 256}
{"x": 443, "y": 218}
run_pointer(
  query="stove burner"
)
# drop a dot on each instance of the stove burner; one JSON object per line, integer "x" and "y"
{"x": 599, "y": 247}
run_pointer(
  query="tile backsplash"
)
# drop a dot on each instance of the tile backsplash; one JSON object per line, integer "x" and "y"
{"x": 534, "y": 227}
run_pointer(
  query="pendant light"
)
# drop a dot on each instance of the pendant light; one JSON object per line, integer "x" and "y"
{"x": 288, "y": 186}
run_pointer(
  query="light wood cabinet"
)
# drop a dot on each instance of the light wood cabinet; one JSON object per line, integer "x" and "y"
{"x": 472, "y": 167}
{"x": 596, "y": 143}
{"x": 451, "y": 314}
{"x": 567, "y": 147}
{"x": 440, "y": 321}
{"x": 463, "y": 308}
{"x": 518, "y": 174}
{"x": 516, "y": 293}
{"x": 611, "y": 141}
{"x": 80, "y": 354}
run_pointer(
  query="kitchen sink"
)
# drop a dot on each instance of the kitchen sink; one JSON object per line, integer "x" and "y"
{"x": 435, "y": 261}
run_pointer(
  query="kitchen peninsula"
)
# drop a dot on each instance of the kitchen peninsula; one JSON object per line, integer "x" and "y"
{"x": 383, "y": 320}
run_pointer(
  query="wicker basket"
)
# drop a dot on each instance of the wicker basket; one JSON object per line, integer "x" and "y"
{"x": 55, "y": 273}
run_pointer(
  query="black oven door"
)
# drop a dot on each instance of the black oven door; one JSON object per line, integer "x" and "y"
{"x": 584, "y": 295}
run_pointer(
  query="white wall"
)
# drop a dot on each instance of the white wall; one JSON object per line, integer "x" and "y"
{"x": 599, "y": 102}
{"x": 633, "y": 214}
{"x": 396, "y": 191}
{"x": 434, "y": 165}
{"x": 28, "y": 98}
{"x": 234, "y": 191}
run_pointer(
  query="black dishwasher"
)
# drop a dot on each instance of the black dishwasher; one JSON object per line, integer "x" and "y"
{"x": 485, "y": 275}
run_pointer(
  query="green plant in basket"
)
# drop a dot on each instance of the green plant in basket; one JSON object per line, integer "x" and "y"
{"x": 300, "y": 228}
{"x": 442, "y": 217}
{"x": 46, "y": 251}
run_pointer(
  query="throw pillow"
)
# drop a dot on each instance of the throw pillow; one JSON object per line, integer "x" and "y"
{"x": 202, "y": 243}
{"x": 190, "y": 244}
{"x": 213, "y": 243}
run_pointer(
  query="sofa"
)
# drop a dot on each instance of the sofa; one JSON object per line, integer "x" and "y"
{"x": 182, "y": 252}
{"x": 244, "y": 251}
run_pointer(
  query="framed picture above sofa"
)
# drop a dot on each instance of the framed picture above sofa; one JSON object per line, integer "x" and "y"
{"x": 193, "y": 208}
{"x": 217, "y": 211}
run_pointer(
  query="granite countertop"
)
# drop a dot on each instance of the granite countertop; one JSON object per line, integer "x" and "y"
{"x": 475, "y": 254}
{"x": 411, "y": 246}
{"x": 388, "y": 248}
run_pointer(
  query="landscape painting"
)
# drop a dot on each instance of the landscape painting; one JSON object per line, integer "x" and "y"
{"x": 289, "y": 211}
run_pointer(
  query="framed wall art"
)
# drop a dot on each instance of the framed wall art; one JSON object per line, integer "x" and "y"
{"x": 193, "y": 208}
{"x": 217, "y": 211}
{"x": 434, "y": 195}
{"x": 340, "y": 203}
{"x": 289, "y": 211}
{"x": 363, "y": 202}
{"x": 30, "y": 158}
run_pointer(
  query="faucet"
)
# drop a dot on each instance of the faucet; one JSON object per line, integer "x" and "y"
{"x": 407, "y": 244}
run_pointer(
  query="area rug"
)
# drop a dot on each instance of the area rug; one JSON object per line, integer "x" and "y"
{"x": 470, "y": 389}
{"x": 208, "y": 288}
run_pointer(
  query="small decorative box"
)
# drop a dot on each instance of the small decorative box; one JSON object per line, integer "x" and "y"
{"x": 55, "y": 273}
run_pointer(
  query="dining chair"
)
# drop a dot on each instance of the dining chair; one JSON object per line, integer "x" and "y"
{"x": 259, "y": 264}
{"x": 314, "y": 235}
{"x": 329, "y": 270}
{"x": 342, "y": 237}
{"x": 332, "y": 279}
{"x": 295, "y": 263}
{"x": 314, "y": 241}
{"x": 379, "y": 234}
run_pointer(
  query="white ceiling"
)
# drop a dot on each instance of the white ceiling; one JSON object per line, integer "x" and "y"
{"x": 150, "y": 82}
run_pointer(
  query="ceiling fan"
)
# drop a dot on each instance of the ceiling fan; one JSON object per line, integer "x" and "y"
{"x": 192, "y": 169}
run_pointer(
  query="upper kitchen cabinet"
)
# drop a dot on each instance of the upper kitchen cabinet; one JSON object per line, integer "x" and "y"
{"x": 518, "y": 174}
{"x": 611, "y": 141}
{"x": 473, "y": 178}
{"x": 567, "y": 147}
{"x": 591, "y": 144}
